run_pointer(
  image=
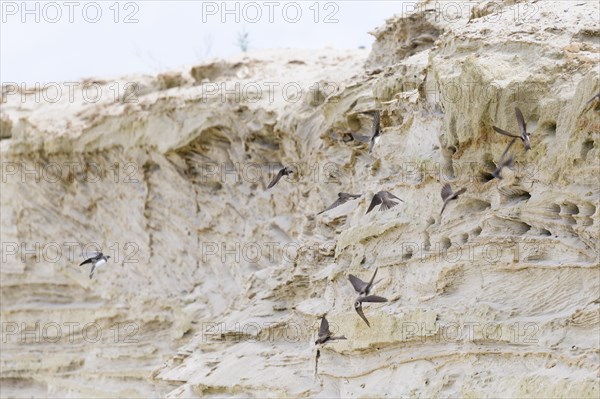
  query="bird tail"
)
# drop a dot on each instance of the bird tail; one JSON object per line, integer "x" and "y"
{"x": 85, "y": 261}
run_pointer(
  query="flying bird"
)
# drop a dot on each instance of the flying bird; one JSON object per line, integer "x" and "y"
{"x": 448, "y": 195}
{"x": 362, "y": 287}
{"x": 325, "y": 334}
{"x": 504, "y": 161}
{"x": 342, "y": 199}
{"x": 283, "y": 172}
{"x": 376, "y": 136}
{"x": 589, "y": 102}
{"x": 522, "y": 127}
{"x": 597, "y": 96}
{"x": 386, "y": 199}
{"x": 369, "y": 298}
{"x": 96, "y": 261}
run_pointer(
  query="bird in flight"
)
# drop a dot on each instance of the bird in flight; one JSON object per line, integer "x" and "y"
{"x": 283, "y": 172}
{"x": 522, "y": 127}
{"x": 96, "y": 261}
{"x": 368, "y": 298}
{"x": 376, "y": 136}
{"x": 448, "y": 195}
{"x": 504, "y": 161}
{"x": 342, "y": 199}
{"x": 375, "y": 133}
{"x": 386, "y": 199}
{"x": 364, "y": 289}
{"x": 324, "y": 333}
{"x": 597, "y": 96}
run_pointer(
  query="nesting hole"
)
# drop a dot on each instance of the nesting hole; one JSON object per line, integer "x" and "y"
{"x": 445, "y": 243}
{"x": 550, "y": 129}
{"x": 408, "y": 254}
{"x": 475, "y": 205}
{"x": 586, "y": 146}
{"x": 554, "y": 208}
{"x": 544, "y": 232}
{"x": 569, "y": 208}
{"x": 587, "y": 209}
{"x": 476, "y": 232}
{"x": 514, "y": 194}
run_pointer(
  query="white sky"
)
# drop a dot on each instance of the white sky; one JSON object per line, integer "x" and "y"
{"x": 167, "y": 34}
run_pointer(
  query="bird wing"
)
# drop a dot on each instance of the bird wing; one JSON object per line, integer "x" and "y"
{"x": 324, "y": 328}
{"x": 374, "y": 202}
{"x": 357, "y": 283}
{"x": 504, "y": 132}
{"x": 387, "y": 204}
{"x": 446, "y": 191}
{"x": 276, "y": 178}
{"x": 461, "y": 191}
{"x": 89, "y": 260}
{"x": 521, "y": 122}
{"x": 495, "y": 173}
{"x": 373, "y": 298}
{"x": 506, "y": 150}
{"x": 376, "y": 124}
{"x": 508, "y": 161}
{"x": 338, "y": 337}
{"x": 360, "y": 138}
{"x": 337, "y": 203}
{"x": 373, "y": 278}
{"x": 593, "y": 98}
{"x": 362, "y": 315}
{"x": 388, "y": 194}
{"x": 446, "y": 203}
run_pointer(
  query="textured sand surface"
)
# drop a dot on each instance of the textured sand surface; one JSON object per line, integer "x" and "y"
{"x": 216, "y": 285}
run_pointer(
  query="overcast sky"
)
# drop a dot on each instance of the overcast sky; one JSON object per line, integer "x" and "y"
{"x": 65, "y": 41}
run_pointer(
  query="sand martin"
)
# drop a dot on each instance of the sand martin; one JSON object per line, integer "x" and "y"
{"x": 386, "y": 199}
{"x": 596, "y": 97}
{"x": 362, "y": 287}
{"x": 325, "y": 334}
{"x": 342, "y": 199}
{"x": 522, "y": 127}
{"x": 96, "y": 261}
{"x": 369, "y": 298}
{"x": 448, "y": 195}
{"x": 283, "y": 172}
{"x": 376, "y": 136}
{"x": 504, "y": 161}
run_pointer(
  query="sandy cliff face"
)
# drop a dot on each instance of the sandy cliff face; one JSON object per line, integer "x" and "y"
{"x": 216, "y": 285}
